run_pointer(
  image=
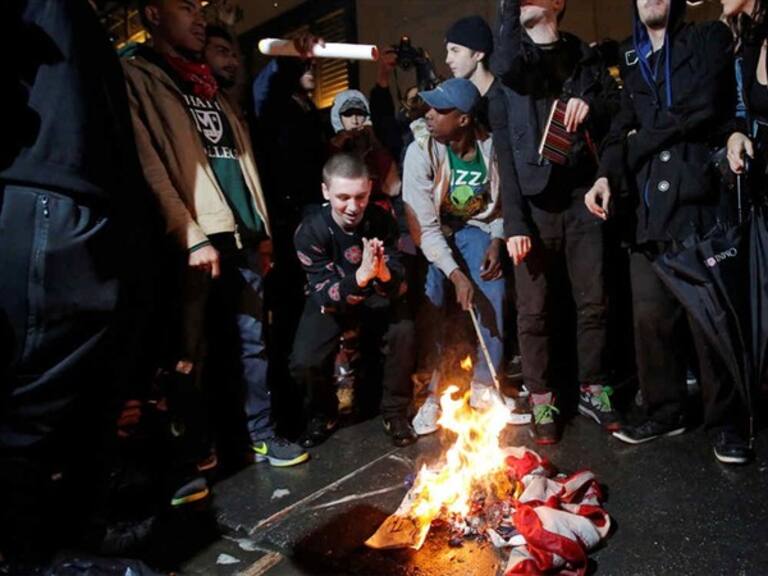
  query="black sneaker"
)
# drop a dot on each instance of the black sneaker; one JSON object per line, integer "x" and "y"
{"x": 598, "y": 406}
{"x": 514, "y": 370}
{"x": 318, "y": 431}
{"x": 647, "y": 431}
{"x": 279, "y": 452}
{"x": 209, "y": 462}
{"x": 545, "y": 429}
{"x": 194, "y": 490}
{"x": 400, "y": 430}
{"x": 729, "y": 447}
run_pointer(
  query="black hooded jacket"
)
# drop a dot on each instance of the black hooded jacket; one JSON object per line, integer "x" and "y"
{"x": 672, "y": 117}
{"x": 70, "y": 129}
{"x": 518, "y": 119}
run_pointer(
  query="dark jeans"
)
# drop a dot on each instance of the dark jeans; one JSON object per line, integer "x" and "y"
{"x": 569, "y": 251}
{"x": 59, "y": 262}
{"x": 662, "y": 332}
{"x": 379, "y": 323}
{"x": 222, "y": 335}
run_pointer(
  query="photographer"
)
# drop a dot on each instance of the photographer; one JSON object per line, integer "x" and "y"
{"x": 394, "y": 128}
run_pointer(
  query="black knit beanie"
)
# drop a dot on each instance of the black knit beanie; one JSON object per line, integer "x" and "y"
{"x": 471, "y": 32}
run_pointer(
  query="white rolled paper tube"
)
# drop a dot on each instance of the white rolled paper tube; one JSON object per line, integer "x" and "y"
{"x": 280, "y": 47}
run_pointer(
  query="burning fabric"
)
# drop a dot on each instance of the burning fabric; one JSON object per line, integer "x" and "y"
{"x": 509, "y": 496}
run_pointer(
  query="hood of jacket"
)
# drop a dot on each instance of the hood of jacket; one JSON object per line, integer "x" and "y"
{"x": 338, "y": 103}
{"x": 644, "y": 48}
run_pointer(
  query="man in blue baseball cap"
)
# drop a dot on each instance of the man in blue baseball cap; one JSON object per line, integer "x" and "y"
{"x": 451, "y": 192}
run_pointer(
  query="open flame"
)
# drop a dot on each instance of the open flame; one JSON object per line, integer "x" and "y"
{"x": 474, "y": 462}
{"x": 509, "y": 496}
{"x": 466, "y": 364}
{"x": 473, "y": 469}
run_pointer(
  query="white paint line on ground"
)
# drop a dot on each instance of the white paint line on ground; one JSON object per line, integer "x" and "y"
{"x": 317, "y": 494}
{"x": 402, "y": 459}
{"x": 353, "y": 497}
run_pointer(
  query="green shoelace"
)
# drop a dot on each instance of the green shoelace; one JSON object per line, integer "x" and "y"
{"x": 604, "y": 399}
{"x": 544, "y": 413}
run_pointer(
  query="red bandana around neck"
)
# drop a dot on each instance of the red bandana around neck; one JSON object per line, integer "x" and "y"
{"x": 197, "y": 73}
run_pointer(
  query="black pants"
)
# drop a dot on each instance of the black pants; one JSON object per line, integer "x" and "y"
{"x": 379, "y": 323}
{"x": 663, "y": 331}
{"x": 59, "y": 259}
{"x": 568, "y": 250}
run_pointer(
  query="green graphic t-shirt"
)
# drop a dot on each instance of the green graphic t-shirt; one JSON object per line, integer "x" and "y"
{"x": 468, "y": 194}
{"x": 219, "y": 143}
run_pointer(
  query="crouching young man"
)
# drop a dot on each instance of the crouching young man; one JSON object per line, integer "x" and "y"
{"x": 355, "y": 279}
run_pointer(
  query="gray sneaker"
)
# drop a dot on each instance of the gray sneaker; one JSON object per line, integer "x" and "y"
{"x": 595, "y": 403}
{"x": 279, "y": 452}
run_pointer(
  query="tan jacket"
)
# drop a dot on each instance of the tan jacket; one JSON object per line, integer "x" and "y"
{"x": 174, "y": 160}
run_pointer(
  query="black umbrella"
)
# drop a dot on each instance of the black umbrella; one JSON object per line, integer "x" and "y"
{"x": 722, "y": 282}
{"x": 758, "y": 290}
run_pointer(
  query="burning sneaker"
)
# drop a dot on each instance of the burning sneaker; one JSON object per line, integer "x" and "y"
{"x": 595, "y": 403}
{"x": 425, "y": 421}
{"x": 481, "y": 398}
{"x": 545, "y": 430}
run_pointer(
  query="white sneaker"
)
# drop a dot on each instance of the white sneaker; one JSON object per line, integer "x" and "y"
{"x": 516, "y": 418}
{"x": 425, "y": 421}
{"x": 480, "y": 398}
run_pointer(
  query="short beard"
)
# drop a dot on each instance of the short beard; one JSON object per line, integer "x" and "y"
{"x": 656, "y": 23}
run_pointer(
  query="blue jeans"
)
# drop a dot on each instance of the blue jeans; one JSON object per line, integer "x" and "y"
{"x": 223, "y": 336}
{"x": 469, "y": 246}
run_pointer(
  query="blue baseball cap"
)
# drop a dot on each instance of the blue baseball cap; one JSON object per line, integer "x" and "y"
{"x": 457, "y": 93}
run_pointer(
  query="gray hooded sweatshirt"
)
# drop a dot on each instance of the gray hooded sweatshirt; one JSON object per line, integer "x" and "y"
{"x": 426, "y": 180}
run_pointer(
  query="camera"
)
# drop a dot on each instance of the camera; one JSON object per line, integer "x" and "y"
{"x": 409, "y": 56}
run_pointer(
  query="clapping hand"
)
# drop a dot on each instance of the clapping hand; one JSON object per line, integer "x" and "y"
{"x": 373, "y": 263}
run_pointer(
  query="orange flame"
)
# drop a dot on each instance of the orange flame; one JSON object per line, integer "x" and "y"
{"x": 475, "y": 461}
{"x": 466, "y": 364}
